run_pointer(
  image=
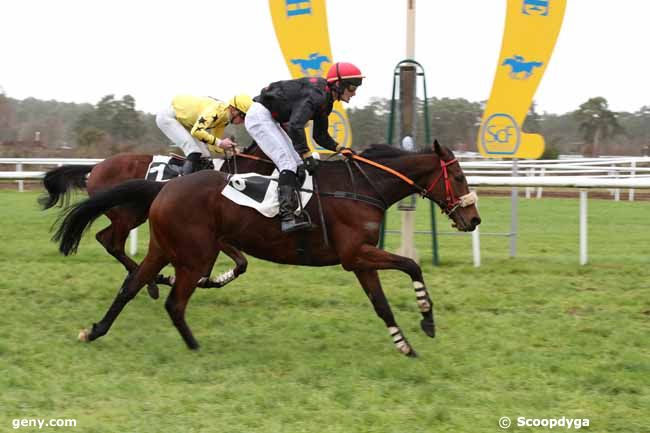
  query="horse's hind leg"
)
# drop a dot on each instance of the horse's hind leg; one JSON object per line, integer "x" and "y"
{"x": 177, "y": 300}
{"x": 151, "y": 265}
{"x": 221, "y": 280}
{"x": 372, "y": 286}
{"x": 113, "y": 239}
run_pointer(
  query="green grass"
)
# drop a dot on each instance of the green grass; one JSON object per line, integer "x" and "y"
{"x": 293, "y": 349}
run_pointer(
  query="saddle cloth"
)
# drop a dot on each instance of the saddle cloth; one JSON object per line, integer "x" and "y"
{"x": 261, "y": 192}
{"x": 162, "y": 169}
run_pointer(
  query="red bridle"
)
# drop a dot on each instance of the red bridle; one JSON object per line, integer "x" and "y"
{"x": 451, "y": 199}
{"x": 451, "y": 203}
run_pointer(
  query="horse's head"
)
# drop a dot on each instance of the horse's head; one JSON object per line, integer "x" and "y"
{"x": 448, "y": 188}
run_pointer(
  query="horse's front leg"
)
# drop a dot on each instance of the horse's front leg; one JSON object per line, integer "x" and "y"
{"x": 151, "y": 265}
{"x": 369, "y": 257}
{"x": 372, "y": 286}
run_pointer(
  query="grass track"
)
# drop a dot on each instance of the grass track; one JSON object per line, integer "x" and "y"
{"x": 291, "y": 349}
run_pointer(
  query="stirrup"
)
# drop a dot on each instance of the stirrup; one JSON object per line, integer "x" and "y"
{"x": 288, "y": 226}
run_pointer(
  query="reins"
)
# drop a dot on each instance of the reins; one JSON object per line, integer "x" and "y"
{"x": 449, "y": 205}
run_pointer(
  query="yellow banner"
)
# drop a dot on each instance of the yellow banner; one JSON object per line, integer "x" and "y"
{"x": 531, "y": 29}
{"x": 301, "y": 29}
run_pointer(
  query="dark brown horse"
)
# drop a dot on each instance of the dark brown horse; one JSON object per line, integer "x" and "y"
{"x": 59, "y": 183}
{"x": 191, "y": 220}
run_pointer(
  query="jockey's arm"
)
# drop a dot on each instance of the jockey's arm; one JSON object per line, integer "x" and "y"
{"x": 321, "y": 133}
{"x": 300, "y": 115}
{"x": 211, "y": 119}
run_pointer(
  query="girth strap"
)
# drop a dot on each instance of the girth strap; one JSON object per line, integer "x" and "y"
{"x": 356, "y": 197}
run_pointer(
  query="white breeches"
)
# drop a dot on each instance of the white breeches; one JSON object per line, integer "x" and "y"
{"x": 271, "y": 138}
{"x": 176, "y": 132}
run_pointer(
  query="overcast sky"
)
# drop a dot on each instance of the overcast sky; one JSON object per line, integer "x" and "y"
{"x": 81, "y": 50}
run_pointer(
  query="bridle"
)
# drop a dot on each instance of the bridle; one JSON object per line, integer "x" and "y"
{"x": 452, "y": 201}
{"x": 449, "y": 205}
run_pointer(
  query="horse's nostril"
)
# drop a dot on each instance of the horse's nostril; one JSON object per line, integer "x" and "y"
{"x": 476, "y": 221}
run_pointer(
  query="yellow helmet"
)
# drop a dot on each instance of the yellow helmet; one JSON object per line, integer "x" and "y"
{"x": 242, "y": 102}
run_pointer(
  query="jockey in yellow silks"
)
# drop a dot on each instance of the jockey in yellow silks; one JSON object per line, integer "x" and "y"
{"x": 196, "y": 123}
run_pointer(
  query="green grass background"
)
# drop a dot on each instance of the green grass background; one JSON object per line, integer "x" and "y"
{"x": 293, "y": 349}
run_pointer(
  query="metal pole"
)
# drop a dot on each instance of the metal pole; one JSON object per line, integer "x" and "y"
{"x": 476, "y": 246}
{"x": 407, "y": 124}
{"x": 513, "y": 212}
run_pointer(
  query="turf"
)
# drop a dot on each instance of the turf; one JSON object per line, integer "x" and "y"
{"x": 294, "y": 349}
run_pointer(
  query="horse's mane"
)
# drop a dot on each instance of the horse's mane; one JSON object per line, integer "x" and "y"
{"x": 386, "y": 151}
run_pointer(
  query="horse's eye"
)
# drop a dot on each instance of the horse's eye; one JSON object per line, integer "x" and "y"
{"x": 460, "y": 178}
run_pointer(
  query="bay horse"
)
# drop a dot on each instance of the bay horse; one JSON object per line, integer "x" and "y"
{"x": 61, "y": 181}
{"x": 190, "y": 220}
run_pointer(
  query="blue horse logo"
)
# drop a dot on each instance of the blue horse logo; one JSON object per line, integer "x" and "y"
{"x": 520, "y": 69}
{"x": 313, "y": 63}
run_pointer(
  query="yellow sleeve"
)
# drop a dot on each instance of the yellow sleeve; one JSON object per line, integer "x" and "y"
{"x": 212, "y": 118}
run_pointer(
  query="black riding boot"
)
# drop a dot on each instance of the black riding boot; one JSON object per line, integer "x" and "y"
{"x": 191, "y": 163}
{"x": 288, "y": 197}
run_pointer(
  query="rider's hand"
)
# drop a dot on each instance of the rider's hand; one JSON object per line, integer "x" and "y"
{"x": 228, "y": 144}
{"x": 345, "y": 151}
{"x": 311, "y": 164}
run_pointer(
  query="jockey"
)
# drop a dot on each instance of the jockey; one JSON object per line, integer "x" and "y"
{"x": 195, "y": 123}
{"x": 292, "y": 103}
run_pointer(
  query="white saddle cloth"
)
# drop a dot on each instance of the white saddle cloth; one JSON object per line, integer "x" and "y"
{"x": 261, "y": 192}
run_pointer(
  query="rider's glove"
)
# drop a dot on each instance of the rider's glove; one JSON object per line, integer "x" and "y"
{"x": 311, "y": 163}
{"x": 345, "y": 151}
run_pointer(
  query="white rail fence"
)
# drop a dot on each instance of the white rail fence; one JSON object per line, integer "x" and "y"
{"x": 614, "y": 173}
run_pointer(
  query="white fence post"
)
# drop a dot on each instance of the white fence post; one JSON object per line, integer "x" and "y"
{"x": 630, "y": 196}
{"x": 133, "y": 241}
{"x": 21, "y": 183}
{"x": 539, "y": 188}
{"x": 583, "y": 226}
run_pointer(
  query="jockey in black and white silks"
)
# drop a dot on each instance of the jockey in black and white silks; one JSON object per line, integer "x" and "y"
{"x": 277, "y": 121}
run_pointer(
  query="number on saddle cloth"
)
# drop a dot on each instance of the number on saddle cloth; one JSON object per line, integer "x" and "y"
{"x": 260, "y": 192}
{"x": 254, "y": 187}
{"x": 164, "y": 168}
{"x": 161, "y": 169}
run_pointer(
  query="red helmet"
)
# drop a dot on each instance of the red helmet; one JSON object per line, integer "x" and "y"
{"x": 342, "y": 71}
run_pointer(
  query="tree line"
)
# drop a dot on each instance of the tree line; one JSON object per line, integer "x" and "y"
{"x": 112, "y": 125}
{"x": 592, "y": 129}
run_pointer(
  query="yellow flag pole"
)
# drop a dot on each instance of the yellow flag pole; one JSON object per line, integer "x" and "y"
{"x": 531, "y": 30}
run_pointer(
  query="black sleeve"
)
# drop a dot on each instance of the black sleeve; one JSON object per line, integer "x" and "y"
{"x": 302, "y": 112}
{"x": 321, "y": 132}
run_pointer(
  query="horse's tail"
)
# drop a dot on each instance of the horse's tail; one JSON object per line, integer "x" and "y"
{"x": 59, "y": 181}
{"x": 75, "y": 220}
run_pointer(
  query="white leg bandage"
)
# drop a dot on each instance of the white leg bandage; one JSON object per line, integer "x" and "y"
{"x": 421, "y": 297}
{"x": 398, "y": 339}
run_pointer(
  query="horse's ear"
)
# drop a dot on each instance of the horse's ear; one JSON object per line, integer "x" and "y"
{"x": 437, "y": 148}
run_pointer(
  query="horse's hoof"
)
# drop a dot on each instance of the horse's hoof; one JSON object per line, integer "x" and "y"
{"x": 428, "y": 327}
{"x": 84, "y": 335}
{"x": 412, "y": 353}
{"x": 153, "y": 291}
